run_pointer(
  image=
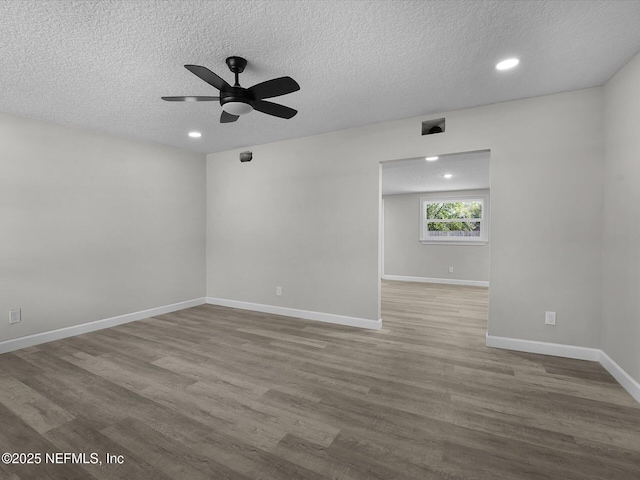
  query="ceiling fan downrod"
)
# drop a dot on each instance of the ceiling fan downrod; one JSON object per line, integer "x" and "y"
{"x": 236, "y": 65}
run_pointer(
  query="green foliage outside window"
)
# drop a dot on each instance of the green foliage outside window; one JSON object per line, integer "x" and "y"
{"x": 449, "y": 212}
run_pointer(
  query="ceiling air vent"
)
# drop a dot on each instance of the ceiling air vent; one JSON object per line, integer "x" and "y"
{"x": 429, "y": 127}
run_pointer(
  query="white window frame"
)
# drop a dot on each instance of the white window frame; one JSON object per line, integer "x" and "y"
{"x": 483, "y": 239}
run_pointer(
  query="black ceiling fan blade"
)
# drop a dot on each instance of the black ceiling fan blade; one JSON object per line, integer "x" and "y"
{"x": 208, "y": 76}
{"x": 192, "y": 98}
{"x": 227, "y": 117}
{"x": 274, "y": 109}
{"x": 274, "y": 88}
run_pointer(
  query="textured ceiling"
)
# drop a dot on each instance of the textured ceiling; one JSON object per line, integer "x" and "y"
{"x": 104, "y": 64}
{"x": 415, "y": 175}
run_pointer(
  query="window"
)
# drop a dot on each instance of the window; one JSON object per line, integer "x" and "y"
{"x": 454, "y": 220}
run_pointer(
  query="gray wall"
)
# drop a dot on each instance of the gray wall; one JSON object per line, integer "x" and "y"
{"x": 621, "y": 256}
{"x": 304, "y": 214}
{"x": 294, "y": 217}
{"x": 94, "y": 226}
{"x": 404, "y": 255}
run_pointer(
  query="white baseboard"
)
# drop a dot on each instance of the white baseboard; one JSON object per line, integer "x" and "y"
{"x": 294, "y": 312}
{"x": 544, "y": 348}
{"x": 446, "y": 281}
{"x": 44, "y": 337}
{"x": 569, "y": 351}
{"x": 623, "y": 378}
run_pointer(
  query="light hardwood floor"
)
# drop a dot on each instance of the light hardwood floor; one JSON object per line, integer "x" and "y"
{"x": 216, "y": 393}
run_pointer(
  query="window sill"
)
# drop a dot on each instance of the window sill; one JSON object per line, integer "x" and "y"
{"x": 454, "y": 242}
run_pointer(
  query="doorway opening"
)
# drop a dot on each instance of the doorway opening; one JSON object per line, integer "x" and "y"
{"x": 435, "y": 234}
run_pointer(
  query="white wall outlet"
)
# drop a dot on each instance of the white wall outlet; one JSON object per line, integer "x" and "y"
{"x": 15, "y": 316}
{"x": 279, "y": 291}
{"x": 549, "y": 318}
{"x": 450, "y": 269}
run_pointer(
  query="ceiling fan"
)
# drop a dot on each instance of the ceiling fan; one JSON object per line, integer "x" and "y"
{"x": 236, "y": 100}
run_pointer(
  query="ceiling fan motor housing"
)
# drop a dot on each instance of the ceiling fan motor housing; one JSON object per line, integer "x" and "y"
{"x": 236, "y": 101}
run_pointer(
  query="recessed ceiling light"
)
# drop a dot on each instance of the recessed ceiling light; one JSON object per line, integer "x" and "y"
{"x": 195, "y": 134}
{"x": 507, "y": 64}
{"x": 431, "y": 159}
{"x": 448, "y": 175}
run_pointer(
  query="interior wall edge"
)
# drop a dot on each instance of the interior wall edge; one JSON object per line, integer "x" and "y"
{"x": 620, "y": 309}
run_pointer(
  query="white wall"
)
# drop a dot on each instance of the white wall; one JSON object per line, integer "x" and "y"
{"x": 94, "y": 226}
{"x": 304, "y": 214}
{"x": 621, "y": 255}
{"x": 404, "y": 255}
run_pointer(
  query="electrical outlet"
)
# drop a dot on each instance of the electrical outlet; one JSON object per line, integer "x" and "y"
{"x": 550, "y": 318}
{"x": 15, "y": 316}
{"x": 450, "y": 269}
{"x": 279, "y": 291}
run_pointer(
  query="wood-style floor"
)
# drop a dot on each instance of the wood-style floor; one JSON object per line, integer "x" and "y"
{"x": 216, "y": 393}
